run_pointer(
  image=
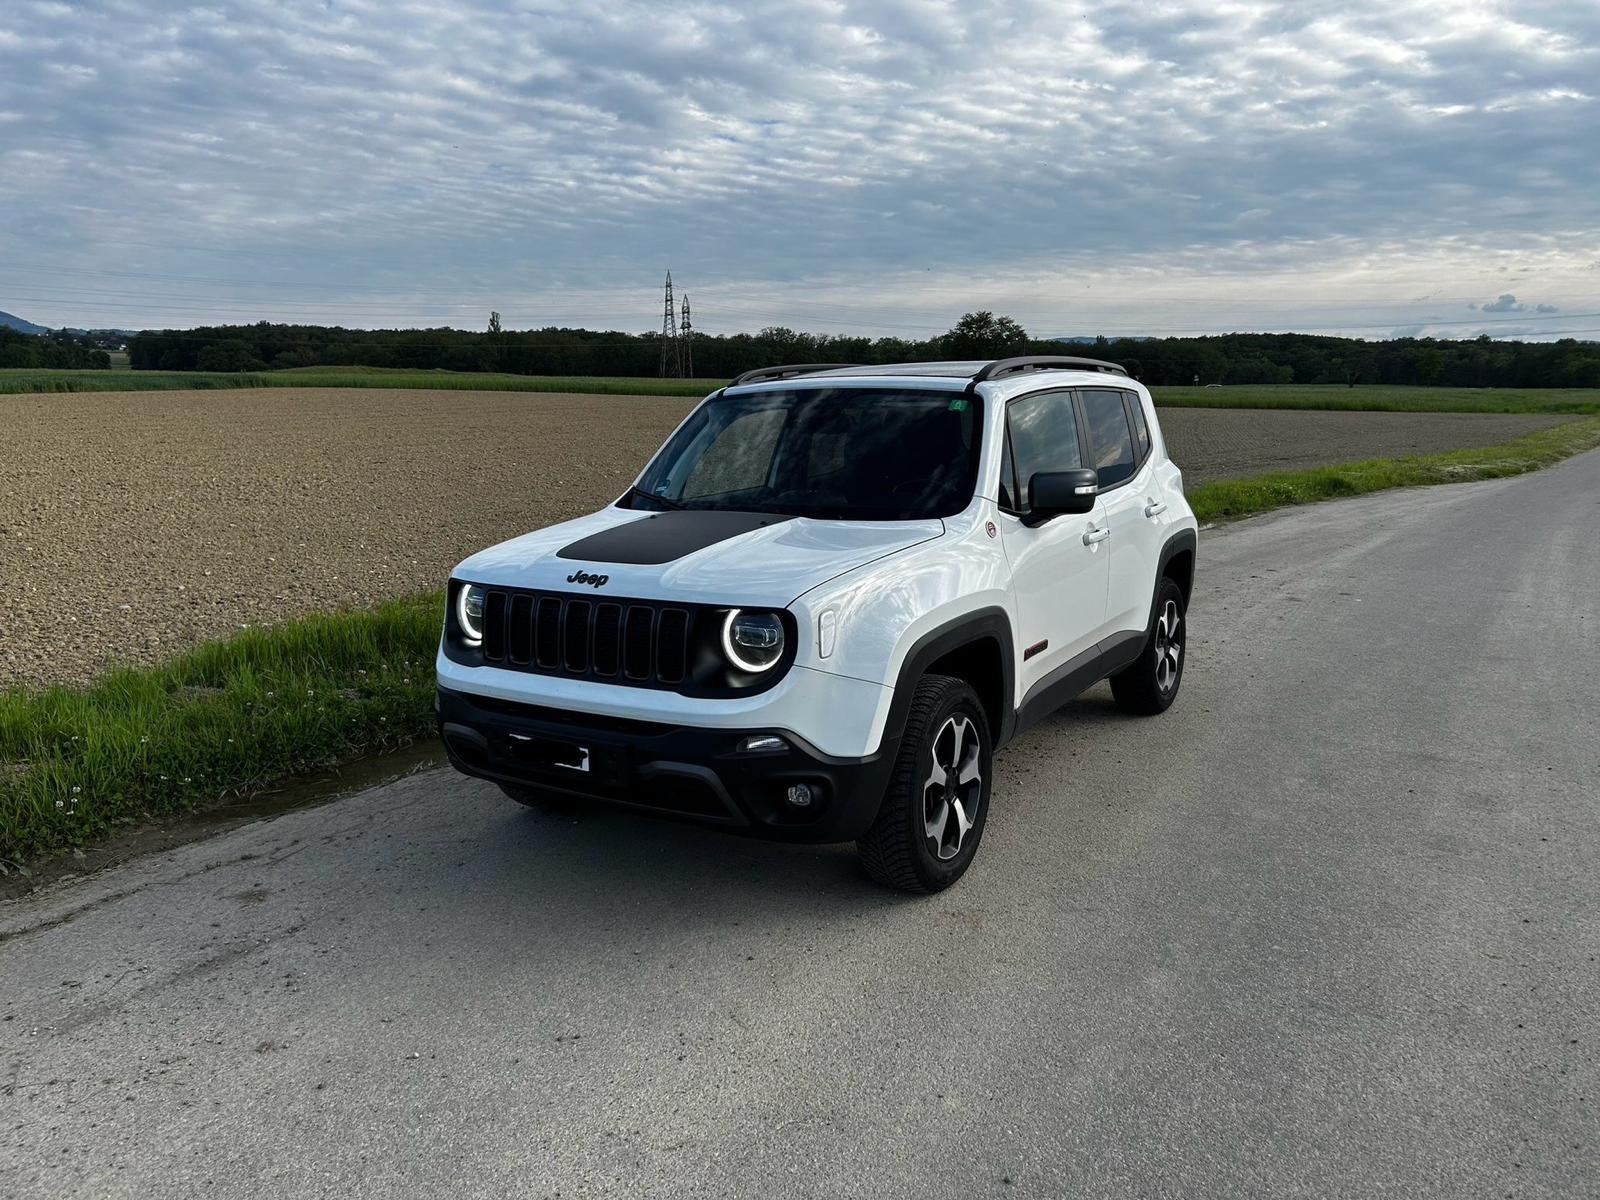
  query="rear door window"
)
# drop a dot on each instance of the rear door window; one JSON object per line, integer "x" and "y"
{"x": 1110, "y": 438}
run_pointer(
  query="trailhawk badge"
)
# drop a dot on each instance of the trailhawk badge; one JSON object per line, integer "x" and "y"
{"x": 598, "y": 581}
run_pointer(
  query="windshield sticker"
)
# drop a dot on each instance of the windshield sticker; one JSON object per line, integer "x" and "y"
{"x": 958, "y": 405}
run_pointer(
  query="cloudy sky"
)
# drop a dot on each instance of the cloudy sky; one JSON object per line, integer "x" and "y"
{"x": 1162, "y": 166}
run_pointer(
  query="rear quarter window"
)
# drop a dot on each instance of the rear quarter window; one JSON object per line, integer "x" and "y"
{"x": 1141, "y": 430}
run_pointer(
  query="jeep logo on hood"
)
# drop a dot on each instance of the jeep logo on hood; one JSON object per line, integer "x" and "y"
{"x": 598, "y": 581}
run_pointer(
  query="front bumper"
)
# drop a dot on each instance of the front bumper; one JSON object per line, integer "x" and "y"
{"x": 690, "y": 772}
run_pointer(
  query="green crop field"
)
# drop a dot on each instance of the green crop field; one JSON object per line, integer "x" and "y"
{"x": 1364, "y": 397}
{"x": 1374, "y": 397}
{"x": 16, "y": 380}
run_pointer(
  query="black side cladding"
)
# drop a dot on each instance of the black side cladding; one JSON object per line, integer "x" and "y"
{"x": 666, "y": 536}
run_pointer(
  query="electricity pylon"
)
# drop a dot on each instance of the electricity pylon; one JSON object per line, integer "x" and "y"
{"x": 686, "y": 339}
{"x": 671, "y": 352}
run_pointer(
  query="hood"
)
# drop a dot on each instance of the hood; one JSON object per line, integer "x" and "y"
{"x": 696, "y": 556}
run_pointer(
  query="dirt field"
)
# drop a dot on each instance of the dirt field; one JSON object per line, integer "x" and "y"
{"x": 134, "y": 524}
{"x": 1225, "y": 443}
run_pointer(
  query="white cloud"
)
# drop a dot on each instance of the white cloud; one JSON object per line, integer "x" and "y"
{"x": 382, "y": 163}
{"x": 1508, "y": 303}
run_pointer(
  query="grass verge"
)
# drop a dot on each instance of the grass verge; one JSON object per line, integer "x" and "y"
{"x": 1230, "y": 498}
{"x": 78, "y": 764}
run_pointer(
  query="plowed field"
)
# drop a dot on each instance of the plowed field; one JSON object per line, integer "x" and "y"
{"x": 135, "y": 524}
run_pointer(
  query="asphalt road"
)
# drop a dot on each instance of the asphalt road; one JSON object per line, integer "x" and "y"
{"x": 1328, "y": 927}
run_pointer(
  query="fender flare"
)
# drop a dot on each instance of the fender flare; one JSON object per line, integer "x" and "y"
{"x": 989, "y": 623}
{"x": 1184, "y": 539}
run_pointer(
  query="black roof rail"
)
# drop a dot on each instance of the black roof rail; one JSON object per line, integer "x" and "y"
{"x": 1045, "y": 362}
{"x": 763, "y": 374}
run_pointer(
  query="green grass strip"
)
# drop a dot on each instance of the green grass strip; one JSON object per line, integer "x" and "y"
{"x": 77, "y": 764}
{"x": 1231, "y": 498}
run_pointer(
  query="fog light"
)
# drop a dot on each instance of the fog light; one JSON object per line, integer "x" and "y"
{"x": 762, "y": 742}
{"x": 799, "y": 795}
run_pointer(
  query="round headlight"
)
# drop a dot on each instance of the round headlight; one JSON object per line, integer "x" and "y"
{"x": 753, "y": 641}
{"x": 469, "y": 612}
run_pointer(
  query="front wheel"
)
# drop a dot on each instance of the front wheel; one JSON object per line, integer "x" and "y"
{"x": 1150, "y": 683}
{"x": 937, "y": 800}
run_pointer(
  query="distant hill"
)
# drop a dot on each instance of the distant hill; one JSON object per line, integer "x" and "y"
{"x": 104, "y": 333}
{"x": 21, "y": 326}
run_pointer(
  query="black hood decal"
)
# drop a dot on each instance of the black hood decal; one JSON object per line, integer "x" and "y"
{"x": 666, "y": 536}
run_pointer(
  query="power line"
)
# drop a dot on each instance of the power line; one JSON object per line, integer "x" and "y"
{"x": 297, "y": 313}
{"x": 738, "y": 290}
{"x": 59, "y": 295}
{"x": 736, "y": 282}
{"x": 406, "y": 344}
{"x": 403, "y": 344}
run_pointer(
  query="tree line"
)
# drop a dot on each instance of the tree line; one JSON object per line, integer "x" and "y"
{"x": 1223, "y": 359}
{"x": 56, "y": 350}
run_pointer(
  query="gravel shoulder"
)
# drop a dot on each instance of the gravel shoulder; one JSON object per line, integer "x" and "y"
{"x": 136, "y": 524}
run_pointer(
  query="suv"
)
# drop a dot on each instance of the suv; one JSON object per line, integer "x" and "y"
{"x": 832, "y": 595}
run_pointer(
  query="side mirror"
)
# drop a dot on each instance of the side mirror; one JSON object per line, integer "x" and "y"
{"x": 1052, "y": 493}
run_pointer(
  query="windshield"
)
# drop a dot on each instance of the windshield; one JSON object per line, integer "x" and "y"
{"x": 861, "y": 453}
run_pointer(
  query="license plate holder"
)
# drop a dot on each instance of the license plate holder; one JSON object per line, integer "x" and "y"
{"x": 550, "y": 752}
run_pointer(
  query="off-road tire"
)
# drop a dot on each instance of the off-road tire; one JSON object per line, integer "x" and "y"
{"x": 1140, "y": 687}
{"x": 897, "y": 850}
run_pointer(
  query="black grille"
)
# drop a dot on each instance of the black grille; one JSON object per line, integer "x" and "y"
{"x": 625, "y": 641}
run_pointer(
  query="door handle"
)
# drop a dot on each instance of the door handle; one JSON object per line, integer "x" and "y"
{"x": 1155, "y": 508}
{"x": 1093, "y": 535}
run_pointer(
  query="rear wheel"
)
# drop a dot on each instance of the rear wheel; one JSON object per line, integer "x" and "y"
{"x": 937, "y": 801}
{"x": 1150, "y": 684}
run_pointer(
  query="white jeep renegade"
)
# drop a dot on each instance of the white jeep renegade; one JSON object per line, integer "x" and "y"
{"x": 833, "y": 594}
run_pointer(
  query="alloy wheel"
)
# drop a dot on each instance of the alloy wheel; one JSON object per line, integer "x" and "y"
{"x": 1169, "y": 646}
{"x": 954, "y": 787}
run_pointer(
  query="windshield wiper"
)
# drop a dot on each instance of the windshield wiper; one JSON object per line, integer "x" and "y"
{"x": 634, "y": 490}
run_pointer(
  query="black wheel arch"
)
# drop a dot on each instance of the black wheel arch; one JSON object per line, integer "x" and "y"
{"x": 1177, "y": 563}
{"x": 976, "y": 647}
